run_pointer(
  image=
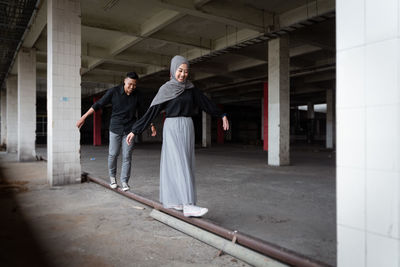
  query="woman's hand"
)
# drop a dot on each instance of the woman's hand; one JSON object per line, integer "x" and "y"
{"x": 129, "y": 138}
{"x": 153, "y": 130}
{"x": 225, "y": 123}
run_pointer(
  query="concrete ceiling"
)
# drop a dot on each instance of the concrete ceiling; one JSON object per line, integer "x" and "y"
{"x": 14, "y": 18}
{"x": 225, "y": 41}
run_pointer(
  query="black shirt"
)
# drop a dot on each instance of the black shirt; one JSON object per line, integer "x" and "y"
{"x": 124, "y": 108}
{"x": 183, "y": 105}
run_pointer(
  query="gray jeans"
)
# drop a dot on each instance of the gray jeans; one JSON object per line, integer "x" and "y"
{"x": 116, "y": 141}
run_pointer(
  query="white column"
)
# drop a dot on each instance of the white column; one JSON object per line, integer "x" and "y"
{"x": 3, "y": 96}
{"x": 12, "y": 114}
{"x": 26, "y": 104}
{"x": 310, "y": 111}
{"x": 310, "y": 122}
{"x": 206, "y": 130}
{"x": 329, "y": 118}
{"x": 278, "y": 101}
{"x": 368, "y": 131}
{"x": 63, "y": 91}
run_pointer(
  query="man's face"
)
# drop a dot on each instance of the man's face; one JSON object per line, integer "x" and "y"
{"x": 129, "y": 85}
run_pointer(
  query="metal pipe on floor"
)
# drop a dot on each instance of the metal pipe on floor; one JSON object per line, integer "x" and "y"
{"x": 279, "y": 253}
{"x": 236, "y": 250}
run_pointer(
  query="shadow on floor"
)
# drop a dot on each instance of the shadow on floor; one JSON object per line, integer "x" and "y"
{"x": 18, "y": 245}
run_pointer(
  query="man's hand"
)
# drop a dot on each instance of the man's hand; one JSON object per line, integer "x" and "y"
{"x": 129, "y": 138}
{"x": 225, "y": 123}
{"x": 80, "y": 122}
{"x": 153, "y": 130}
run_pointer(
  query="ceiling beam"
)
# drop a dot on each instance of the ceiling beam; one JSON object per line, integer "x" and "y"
{"x": 234, "y": 38}
{"x": 111, "y": 71}
{"x": 303, "y": 49}
{"x": 184, "y": 41}
{"x": 238, "y": 65}
{"x": 139, "y": 59}
{"x": 250, "y": 62}
{"x": 152, "y": 25}
{"x": 221, "y": 43}
{"x": 37, "y": 27}
{"x": 200, "y": 3}
{"x": 232, "y": 14}
{"x": 175, "y": 40}
{"x": 308, "y": 11}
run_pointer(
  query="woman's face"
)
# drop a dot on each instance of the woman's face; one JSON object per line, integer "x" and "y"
{"x": 182, "y": 73}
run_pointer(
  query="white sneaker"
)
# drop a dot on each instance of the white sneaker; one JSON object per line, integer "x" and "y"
{"x": 194, "y": 211}
{"x": 113, "y": 182}
{"x": 177, "y": 207}
{"x": 125, "y": 187}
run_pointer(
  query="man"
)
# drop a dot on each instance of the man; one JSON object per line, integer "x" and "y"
{"x": 125, "y": 102}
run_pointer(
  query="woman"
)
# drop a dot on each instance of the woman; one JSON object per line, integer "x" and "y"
{"x": 178, "y": 98}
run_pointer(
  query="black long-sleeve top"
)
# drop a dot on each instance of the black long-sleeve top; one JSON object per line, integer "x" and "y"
{"x": 124, "y": 108}
{"x": 182, "y": 106}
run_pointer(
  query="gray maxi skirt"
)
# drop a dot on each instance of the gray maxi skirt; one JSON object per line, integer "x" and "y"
{"x": 177, "y": 183}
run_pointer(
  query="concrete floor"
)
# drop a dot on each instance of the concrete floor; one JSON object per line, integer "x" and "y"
{"x": 292, "y": 206}
{"x": 85, "y": 225}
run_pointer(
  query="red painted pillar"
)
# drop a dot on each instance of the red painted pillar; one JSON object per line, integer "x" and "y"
{"x": 265, "y": 131}
{"x": 96, "y": 125}
{"x": 220, "y": 129}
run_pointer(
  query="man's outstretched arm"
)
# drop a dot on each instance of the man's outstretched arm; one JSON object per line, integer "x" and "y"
{"x": 81, "y": 121}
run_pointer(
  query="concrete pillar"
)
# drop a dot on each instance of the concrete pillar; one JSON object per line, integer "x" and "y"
{"x": 63, "y": 91}
{"x": 97, "y": 125}
{"x": 329, "y": 118}
{"x": 310, "y": 111}
{"x": 206, "y": 133}
{"x": 12, "y": 114}
{"x": 310, "y": 122}
{"x": 368, "y": 130}
{"x": 265, "y": 117}
{"x": 3, "y": 140}
{"x": 26, "y": 104}
{"x": 278, "y": 101}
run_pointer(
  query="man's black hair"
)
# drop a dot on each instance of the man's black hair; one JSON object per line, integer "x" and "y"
{"x": 132, "y": 75}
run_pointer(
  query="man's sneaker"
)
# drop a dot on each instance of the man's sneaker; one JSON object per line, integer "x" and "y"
{"x": 194, "y": 211}
{"x": 113, "y": 182}
{"x": 125, "y": 187}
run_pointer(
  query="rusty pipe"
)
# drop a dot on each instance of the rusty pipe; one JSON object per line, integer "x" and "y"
{"x": 271, "y": 250}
